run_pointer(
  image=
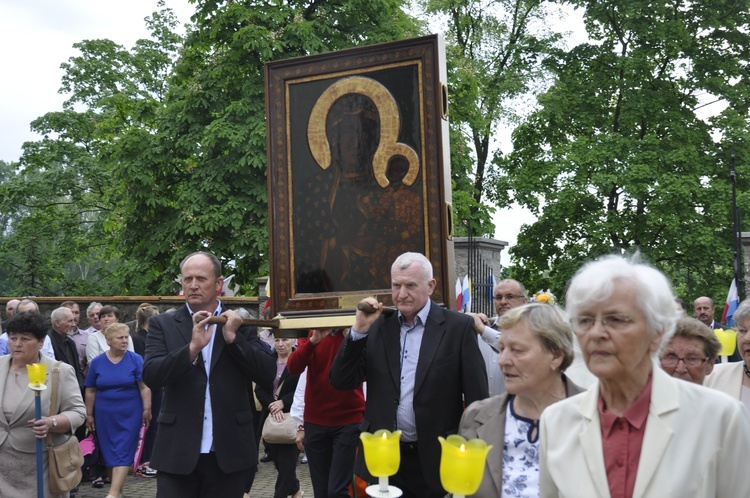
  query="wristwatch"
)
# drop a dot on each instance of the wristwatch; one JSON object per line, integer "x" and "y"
{"x": 54, "y": 422}
{"x": 300, "y": 427}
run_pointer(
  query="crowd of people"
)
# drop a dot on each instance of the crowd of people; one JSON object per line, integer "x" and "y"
{"x": 102, "y": 391}
{"x": 619, "y": 394}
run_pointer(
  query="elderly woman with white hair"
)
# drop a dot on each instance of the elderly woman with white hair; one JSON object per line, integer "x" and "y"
{"x": 637, "y": 431}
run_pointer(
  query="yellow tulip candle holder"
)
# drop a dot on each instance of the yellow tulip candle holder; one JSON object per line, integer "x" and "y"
{"x": 728, "y": 340}
{"x": 37, "y": 376}
{"x": 462, "y": 464}
{"x": 382, "y": 457}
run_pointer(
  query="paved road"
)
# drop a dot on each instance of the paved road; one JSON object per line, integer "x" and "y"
{"x": 145, "y": 487}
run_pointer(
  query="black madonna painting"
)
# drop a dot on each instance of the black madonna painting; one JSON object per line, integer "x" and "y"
{"x": 355, "y": 173}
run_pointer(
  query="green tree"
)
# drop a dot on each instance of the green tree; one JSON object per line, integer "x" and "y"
{"x": 43, "y": 242}
{"x": 160, "y": 149}
{"x": 205, "y": 173}
{"x": 494, "y": 49}
{"x": 67, "y": 194}
{"x": 617, "y": 158}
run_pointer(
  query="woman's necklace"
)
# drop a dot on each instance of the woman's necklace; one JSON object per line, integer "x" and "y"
{"x": 747, "y": 372}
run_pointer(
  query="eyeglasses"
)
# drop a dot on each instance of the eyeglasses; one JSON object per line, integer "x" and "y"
{"x": 613, "y": 322}
{"x": 671, "y": 360}
{"x": 508, "y": 297}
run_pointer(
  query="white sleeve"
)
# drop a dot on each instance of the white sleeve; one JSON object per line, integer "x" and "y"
{"x": 297, "y": 410}
{"x": 491, "y": 336}
{"x": 92, "y": 347}
{"x": 47, "y": 349}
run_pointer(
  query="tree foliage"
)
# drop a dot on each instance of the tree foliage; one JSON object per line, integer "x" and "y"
{"x": 210, "y": 168}
{"x": 618, "y": 159}
{"x": 160, "y": 149}
{"x": 494, "y": 51}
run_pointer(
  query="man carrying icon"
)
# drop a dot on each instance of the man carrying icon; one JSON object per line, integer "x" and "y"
{"x": 205, "y": 445}
{"x": 421, "y": 363}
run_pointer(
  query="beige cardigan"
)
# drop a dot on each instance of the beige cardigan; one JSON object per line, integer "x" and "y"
{"x": 727, "y": 378}
{"x": 69, "y": 403}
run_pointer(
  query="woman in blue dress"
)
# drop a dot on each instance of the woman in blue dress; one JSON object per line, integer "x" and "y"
{"x": 117, "y": 404}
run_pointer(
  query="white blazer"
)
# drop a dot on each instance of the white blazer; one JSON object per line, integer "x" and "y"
{"x": 727, "y": 378}
{"x": 695, "y": 442}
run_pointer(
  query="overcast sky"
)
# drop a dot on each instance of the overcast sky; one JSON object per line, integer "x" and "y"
{"x": 38, "y": 35}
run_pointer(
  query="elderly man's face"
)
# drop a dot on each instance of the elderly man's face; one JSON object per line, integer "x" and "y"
{"x": 410, "y": 289}
{"x": 93, "y": 317}
{"x": 10, "y": 307}
{"x": 508, "y": 295}
{"x": 622, "y": 347}
{"x": 689, "y": 353}
{"x": 66, "y": 324}
{"x": 703, "y": 310}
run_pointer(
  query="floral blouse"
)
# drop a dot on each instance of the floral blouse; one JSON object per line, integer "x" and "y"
{"x": 520, "y": 456}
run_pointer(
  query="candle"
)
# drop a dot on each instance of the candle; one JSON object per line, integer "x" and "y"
{"x": 462, "y": 464}
{"x": 37, "y": 375}
{"x": 728, "y": 340}
{"x": 382, "y": 452}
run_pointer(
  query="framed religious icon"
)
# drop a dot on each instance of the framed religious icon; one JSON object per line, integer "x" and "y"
{"x": 358, "y": 173}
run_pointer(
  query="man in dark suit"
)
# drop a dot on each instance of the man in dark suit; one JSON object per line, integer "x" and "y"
{"x": 422, "y": 364}
{"x": 63, "y": 323}
{"x": 204, "y": 444}
{"x": 703, "y": 310}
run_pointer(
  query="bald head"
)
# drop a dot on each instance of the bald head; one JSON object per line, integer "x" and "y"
{"x": 10, "y": 307}
{"x": 703, "y": 310}
{"x": 509, "y": 294}
{"x": 27, "y": 305}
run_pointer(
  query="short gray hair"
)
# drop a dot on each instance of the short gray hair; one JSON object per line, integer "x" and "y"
{"x": 406, "y": 259}
{"x": 26, "y": 302}
{"x": 596, "y": 281}
{"x": 91, "y": 307}
{"x": 548, "y": 324}
{"x": 58, "y": 313}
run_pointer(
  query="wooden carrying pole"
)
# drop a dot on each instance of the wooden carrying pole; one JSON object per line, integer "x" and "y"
{"x": 298, "y": 327}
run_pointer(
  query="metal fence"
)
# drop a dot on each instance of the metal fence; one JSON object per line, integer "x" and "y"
{"x": 482, "y": 280}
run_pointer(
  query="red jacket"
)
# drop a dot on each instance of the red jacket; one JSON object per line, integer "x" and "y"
{"x": 325, "y": 405}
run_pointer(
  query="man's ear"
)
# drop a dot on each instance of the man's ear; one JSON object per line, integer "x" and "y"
{"x": 432, "y": 283}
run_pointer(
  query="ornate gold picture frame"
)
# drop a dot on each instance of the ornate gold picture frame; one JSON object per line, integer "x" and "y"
{"x": 358, "y": 173}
